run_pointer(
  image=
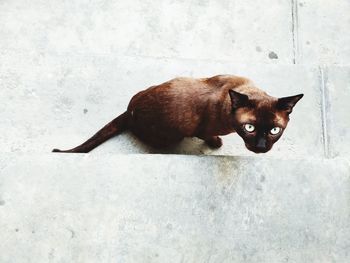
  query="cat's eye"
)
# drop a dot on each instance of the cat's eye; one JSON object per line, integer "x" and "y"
{"x": 249, "y": 127}
{"x": 275, "y": 130}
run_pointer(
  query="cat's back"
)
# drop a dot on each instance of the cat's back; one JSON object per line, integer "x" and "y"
{"x": 176, "y": 90}
{"x": 199, "y": 88}
{"x": 213, "y": 84}
{"x": 232, "y": 80}
{"x": 186, "y": 91}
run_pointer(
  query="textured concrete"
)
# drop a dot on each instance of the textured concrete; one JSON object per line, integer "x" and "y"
{"x": 337, "y": 107}
{"x": 68, "y": 67}
{"x": 124, "y": 208}
{"x": 82, "y": 94}
{"x": 265, "y": 31}
{"x": 198, "y": 29}
{"x": 322, "y": 31}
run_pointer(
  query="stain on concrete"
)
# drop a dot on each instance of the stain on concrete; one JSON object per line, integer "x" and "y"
{"x": 66, "y": 102}
{"x": 301, "y": 4}
{"x": 2, "y": 202}
{"x": 262, "y": 178}
{"x": 16, "y": 229}
{"x": 71, "y": 232}
{"x": 227, "y": 171}
{"x": 273, "y": 55}
{"x": 52, "y": 254}
{"x": 96, "y": 97}
{"x": 307, "y": 42}
{"x": 258, "y": 49}
{"x": 85, "y": 111}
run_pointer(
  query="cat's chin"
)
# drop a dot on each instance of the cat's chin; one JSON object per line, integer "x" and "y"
{"x": 257, "y": 150}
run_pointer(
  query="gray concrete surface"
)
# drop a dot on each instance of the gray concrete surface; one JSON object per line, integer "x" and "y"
{"x": 228, "y": 30}
{"x": 68, "y": 67}
{"x": 321, "y": 31}
{"x": 337, "y": 106}
{"x": 168, "y": 208}
{"x": 82, "y": 94}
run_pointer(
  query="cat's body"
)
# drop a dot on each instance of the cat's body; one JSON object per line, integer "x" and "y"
{"x": 205, "y": 108}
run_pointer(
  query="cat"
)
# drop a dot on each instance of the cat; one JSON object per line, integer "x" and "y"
{"x": 206, "y": 108}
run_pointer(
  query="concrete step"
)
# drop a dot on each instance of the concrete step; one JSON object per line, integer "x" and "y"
{"x": 67, "y": 68}
{"x": 171, "y": 208}
{"x": 265, "y": 31}
{"x": 61, "y": 101}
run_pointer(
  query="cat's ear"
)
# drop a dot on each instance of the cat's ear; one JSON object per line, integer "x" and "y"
{"x": 238, "y": 99}
{"x": 287, "y": 103}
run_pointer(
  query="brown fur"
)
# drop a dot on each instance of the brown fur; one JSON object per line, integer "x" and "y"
{"x": 205, "y": 108}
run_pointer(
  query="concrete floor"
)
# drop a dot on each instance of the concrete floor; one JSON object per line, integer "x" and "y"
{"x": 69, "y": 67}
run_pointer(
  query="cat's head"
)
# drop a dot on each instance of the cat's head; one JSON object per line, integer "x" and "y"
{"x": 261, "y": 121}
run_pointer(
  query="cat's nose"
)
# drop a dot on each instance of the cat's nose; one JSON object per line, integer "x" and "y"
{"x": 261, "y": 144}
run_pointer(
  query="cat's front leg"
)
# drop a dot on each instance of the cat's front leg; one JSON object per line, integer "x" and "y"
{"x": 212, "y": 141}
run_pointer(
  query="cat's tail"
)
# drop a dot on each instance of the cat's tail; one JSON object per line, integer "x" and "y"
{"x": 113, "y": 128}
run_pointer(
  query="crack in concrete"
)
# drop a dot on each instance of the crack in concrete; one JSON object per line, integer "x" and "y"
{"x": 324, "y": 103}
{"x": 294, "y": 4}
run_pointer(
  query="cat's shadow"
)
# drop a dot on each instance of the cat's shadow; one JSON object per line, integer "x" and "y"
{"x": 225, "y": 168}
{"x": 128, "y": 143}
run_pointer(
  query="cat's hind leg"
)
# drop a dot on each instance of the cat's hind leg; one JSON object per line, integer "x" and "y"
{"x": 159, "y": 139}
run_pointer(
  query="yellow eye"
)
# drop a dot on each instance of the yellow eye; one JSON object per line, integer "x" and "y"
{"x": 275, "y": 130}
{"x": 249, "y": 127}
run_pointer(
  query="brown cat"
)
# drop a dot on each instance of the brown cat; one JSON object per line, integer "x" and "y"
{"x": 205, "y": 108}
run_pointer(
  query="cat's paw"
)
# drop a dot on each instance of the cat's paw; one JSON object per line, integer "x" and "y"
{"x": 214, "y": 142}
